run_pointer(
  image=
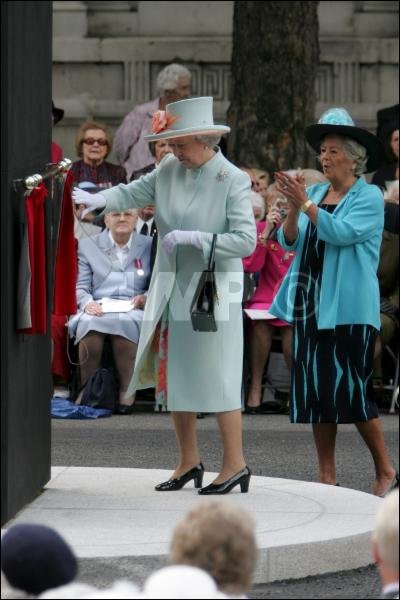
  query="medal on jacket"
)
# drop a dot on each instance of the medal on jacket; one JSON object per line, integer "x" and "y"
{"x": 139, "y": 267}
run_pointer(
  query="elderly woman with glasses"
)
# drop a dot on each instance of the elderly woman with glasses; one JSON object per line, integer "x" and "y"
{"x": 197, "y": 194}
{"x": 93, "y": 144}
{"x": 331, "y": 292}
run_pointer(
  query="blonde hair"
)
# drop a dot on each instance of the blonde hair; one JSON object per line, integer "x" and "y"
{"x": 217, "y": 537}
{"x": 386, "y": 534}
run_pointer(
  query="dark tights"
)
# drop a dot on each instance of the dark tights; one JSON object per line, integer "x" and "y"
{"x": 91, "y": 350}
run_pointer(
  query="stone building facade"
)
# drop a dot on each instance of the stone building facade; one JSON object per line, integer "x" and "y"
{"x": 106, "y": 56}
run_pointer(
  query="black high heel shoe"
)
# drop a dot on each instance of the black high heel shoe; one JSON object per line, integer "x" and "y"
{"x": 252, "y": 410}
{"x": 242, "y": 478}
{"x": 196, "y": 473}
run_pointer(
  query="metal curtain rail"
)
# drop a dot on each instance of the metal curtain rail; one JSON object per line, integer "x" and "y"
{"x": 33, "y": 181}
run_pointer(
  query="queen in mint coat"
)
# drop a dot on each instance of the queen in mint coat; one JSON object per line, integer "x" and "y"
{"x": 197, "y": 193}
{"x": 204, "y": 370}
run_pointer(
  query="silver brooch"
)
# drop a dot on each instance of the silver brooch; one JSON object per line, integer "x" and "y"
{"x": 221, "y": 175}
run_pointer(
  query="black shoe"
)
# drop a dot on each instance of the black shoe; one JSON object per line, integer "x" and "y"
{"x": 252, "y": 410}
{"x": 124, "y": 409}
{"x": 242, "y": 478}
{"x": 196, "y": 473}
{"x": 274, "y": 407}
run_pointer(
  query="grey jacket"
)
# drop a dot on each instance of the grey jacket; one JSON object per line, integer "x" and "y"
{"x": 101, "y": 274}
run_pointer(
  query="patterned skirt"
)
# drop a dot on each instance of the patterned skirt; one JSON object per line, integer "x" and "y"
{"x": 332, "y": 368}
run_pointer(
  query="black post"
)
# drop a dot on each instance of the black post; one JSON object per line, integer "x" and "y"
{"x": 26, "y": 385}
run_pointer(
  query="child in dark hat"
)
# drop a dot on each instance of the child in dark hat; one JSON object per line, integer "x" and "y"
{"x": 35, "y": 558}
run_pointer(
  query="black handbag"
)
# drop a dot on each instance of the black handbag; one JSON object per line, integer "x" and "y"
{"x": 101, "y": 390}
{"x": 205, "y": 297}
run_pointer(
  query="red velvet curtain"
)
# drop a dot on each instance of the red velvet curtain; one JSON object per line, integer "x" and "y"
{"x": 32, "y": 307}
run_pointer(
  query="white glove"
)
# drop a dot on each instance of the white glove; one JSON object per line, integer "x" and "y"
{"x": 91, "y": 201}
{"x": 186, "y": 238}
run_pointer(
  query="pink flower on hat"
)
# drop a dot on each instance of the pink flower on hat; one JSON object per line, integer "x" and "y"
{"x": 161, "y": 121}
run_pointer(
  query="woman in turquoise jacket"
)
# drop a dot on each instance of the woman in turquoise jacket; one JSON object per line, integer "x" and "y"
{"x": 197, "y": 193}
{"x": 331, "y": 292}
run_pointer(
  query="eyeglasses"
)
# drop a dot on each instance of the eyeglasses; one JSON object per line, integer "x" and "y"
{"x": 91, "y": 141}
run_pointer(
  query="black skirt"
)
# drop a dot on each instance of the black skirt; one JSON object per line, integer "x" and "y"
{"x": 332, "y": 368}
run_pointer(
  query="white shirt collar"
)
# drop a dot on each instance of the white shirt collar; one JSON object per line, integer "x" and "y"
{"x": 140, "y": 224}
{"x": 115, "y": 245}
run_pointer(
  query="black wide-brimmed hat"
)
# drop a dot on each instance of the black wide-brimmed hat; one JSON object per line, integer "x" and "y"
{"x": 337, "y": 121}
{"x": 388, "y": 121}
{"x": 58, "y": 113}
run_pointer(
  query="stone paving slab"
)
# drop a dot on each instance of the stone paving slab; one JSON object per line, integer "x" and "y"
{"x": 302, "y": 528}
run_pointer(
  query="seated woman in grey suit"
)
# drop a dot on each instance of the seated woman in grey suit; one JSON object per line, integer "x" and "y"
{"x": 112, "y": 264}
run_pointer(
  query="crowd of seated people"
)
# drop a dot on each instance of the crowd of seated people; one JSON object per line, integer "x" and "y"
{"x": 92, "y": 172}
{"x": 99, "y": 255}
{"x": 268, "y": 265}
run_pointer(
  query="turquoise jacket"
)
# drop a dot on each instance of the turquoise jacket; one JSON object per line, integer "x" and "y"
{"x": 352, "y": 234}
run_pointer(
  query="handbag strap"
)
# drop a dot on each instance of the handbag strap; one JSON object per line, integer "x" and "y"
{"x": 211, "y": 262}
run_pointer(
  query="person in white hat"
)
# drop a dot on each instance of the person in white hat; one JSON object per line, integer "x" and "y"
{"x": 197, "y": 193}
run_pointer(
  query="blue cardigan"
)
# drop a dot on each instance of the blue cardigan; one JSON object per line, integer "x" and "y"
{"x": 352, "y": 234}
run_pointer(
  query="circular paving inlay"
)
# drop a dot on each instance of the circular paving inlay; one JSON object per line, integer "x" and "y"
{"x": 302, "y": 528}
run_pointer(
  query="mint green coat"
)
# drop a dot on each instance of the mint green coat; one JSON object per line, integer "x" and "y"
{"x": 204, "y": 372}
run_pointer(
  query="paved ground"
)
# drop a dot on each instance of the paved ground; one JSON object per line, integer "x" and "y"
{"x": 274, "y": 448}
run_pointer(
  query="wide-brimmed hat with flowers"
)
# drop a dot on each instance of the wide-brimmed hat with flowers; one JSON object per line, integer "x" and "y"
{"x": 193, "y": 116}
{"x": 337, "y": 121}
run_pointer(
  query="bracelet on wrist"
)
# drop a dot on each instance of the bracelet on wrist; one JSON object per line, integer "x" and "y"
{"x": 304, "y": 207}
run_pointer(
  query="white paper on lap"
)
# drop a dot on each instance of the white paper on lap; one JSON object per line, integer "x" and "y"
{"x": 258, "y": 314}
{"x": 112, "y": 305}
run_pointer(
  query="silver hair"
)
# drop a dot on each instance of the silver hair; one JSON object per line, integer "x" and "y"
{"x": 167, "y": 79}
{"x": 354, "y": 151}
{"x": 210, "y": 139}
